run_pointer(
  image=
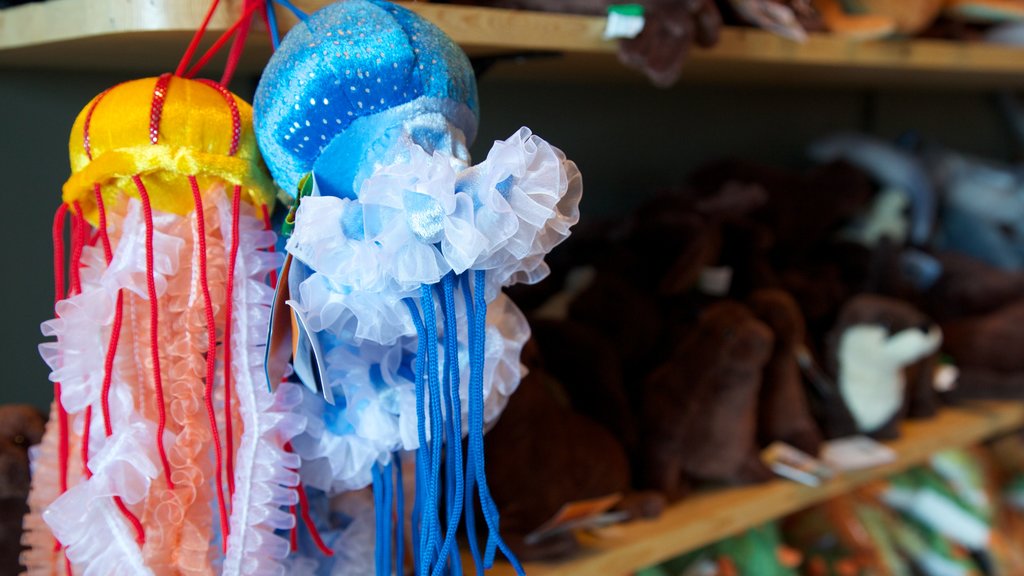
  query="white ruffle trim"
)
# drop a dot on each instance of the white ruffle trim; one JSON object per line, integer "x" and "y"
{"x": 85, "y": 519}
{"x": 378, "y": 317}
{"x": 82, "y": 325}
{"x": 374, "y": 389}
{"x": 417, "y": 219}
{"x": 264, "y": 472}
{"x": 349, "y": 529}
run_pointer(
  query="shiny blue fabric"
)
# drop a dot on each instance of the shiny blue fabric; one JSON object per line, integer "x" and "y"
{"x": 321, "y": 98}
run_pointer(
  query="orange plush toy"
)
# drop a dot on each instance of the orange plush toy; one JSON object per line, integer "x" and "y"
{"x": 167, "y": 452}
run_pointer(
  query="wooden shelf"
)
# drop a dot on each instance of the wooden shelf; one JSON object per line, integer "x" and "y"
{"x": 150, "y": 35}
{"x": 709, "y": 517}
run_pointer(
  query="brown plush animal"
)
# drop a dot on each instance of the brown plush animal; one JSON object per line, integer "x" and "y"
{"x": 661, "y": 48}
{"x": 549, "y": 456}
{"x": 833, "y": 193}
{"x": 970, "y": 287}
{"x": 658, "y": 255}
{"x": 922, "y": 390}
{"x": 670, "y": 241}
{"x": 986, "y": 349}
{"x": 783, "y": 413}
{"x": 670, "y": 28}
{"x": 821, "y": 288}
{"x": 624, "y": 314}
{"x": 979, "y": 307}
{"x": 589, "y": 246}
{"x": 786, "y": 248}
{"x": 965, "y": 286}
{"x": 874, "y": 341}
{"x": 21, "y": 426}
{"x": 699, "y": 413}
{"x": 677, "y": 235}
{"x": 590, "y": 370}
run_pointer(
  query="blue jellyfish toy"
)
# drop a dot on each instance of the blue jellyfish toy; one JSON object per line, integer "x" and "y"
{"x": 397, "y": 254}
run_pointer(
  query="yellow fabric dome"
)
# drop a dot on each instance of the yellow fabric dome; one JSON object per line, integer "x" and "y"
{"x": 164, "y": 129}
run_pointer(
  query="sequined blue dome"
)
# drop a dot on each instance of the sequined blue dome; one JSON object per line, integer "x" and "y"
{"x": 348, "y": 73}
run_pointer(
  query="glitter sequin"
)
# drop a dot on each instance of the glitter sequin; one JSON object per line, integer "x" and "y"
{"x": 156, "y": 109}
{"x": 353, "y": 60}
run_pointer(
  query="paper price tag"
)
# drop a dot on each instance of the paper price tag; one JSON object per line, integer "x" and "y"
{"x": 796, "y": 465}
{"x": 280, "y": 332}
{"x": 579, "y": 515}
{"x": 624, "y": 21}
{"x": 946, "y": 377}
{"x": 715, "y": 280}
{"x": 856, "y": 453}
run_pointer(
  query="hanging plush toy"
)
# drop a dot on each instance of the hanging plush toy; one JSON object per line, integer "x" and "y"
{"x": 168, "y": 453}
{"x": 399, "y": 252}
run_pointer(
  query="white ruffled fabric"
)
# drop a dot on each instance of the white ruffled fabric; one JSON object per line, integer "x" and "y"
{"x": 85, "y": 519}
{"x": 40, "y": 558}
{"x": 125, "y": 463}
{"x": 417, "y": 219}
{"x": 348, "y": 528}
{"x": 82, "y": 325}
{"x": 353, "y": 549}
{"x": 378, "y": 317}
{"x": 528, "y": 189}
{"x": 265, "y": 475}
{"x": 375, "y": 413}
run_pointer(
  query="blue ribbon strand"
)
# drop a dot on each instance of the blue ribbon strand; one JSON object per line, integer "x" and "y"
{"x": 275, "y": 35}
{"x": 378, "y": 509}
{"x": 453, "y": 459}
{"x": 471, "y": 533}
{"x": 400, "y": 514}
{"x": 436, "y": 556}
{"x": 478, "y": 337}
{"x": 420, "y": 533}
{"x": 436, "y": 431}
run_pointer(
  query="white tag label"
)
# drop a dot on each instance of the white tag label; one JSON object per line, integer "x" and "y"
{"x": 855, "y": 453}
{"x": 795, "y": 465}
{"x": 946, "y": 377}
{"x": 623, "y": 26}
{"x": 715, "y": 280}
{"x": 579, "y": 515}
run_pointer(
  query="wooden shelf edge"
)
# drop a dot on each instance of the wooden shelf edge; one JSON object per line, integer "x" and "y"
{"x": 56, "y": 21}
{"x": 709, "y": 517}
{"x": 88, "y": 34}
{"x": 472, "y": 27}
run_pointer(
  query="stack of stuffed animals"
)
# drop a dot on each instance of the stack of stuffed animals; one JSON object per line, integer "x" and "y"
{"x": 756, "y": 304}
